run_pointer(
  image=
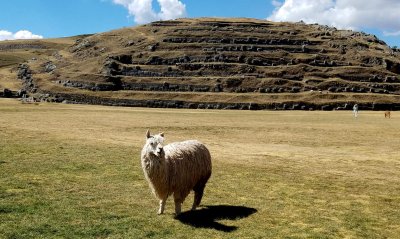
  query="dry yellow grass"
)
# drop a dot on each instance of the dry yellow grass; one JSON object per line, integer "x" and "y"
{"x": 247, "y": 135}
{"x": 10, "y": 58}
{"x": 307, "y": 174}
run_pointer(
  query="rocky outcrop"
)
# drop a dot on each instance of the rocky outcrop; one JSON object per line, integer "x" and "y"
{"x": 25, "y": 75}
{"x": 49, "y": 67}
{"x": 4, "y": 47}
{"x": 84, "y": 99}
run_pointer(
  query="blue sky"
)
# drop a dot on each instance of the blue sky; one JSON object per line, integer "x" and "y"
{"x": 49, "y": 18}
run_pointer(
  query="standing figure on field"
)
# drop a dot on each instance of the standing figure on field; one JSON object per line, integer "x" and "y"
{"x": 355, "y": 111}
{"x": 175, "y": 169}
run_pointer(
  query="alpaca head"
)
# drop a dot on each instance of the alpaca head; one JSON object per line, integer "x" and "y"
{"x": 155, "y": 144}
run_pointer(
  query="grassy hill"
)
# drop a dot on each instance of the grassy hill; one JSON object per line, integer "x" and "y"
{"x": 210, "y": 63}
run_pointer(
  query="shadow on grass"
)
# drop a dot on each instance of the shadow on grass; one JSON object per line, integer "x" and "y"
{"x": 208, "y": 216}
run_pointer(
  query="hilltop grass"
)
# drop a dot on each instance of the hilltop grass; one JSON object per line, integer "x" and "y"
{"x": 73, "y": 171}
{"x": 10, "y": 58}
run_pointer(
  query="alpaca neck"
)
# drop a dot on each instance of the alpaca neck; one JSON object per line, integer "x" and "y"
{"x": 155, "y": 168}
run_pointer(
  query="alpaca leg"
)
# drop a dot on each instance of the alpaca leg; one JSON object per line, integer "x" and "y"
{"x": 162, "y": 206}
{"x": 199, "y": 190}
{"x": 198, "y": 195}
{"x": 178, "y": 205}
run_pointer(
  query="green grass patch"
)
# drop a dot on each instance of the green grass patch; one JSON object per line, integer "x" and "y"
{"x": 72, "y": 186}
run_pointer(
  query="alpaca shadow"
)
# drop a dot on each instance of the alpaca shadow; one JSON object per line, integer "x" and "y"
{"x": 208, "y": 216}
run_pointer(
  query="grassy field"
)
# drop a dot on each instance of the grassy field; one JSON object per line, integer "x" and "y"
{"x": 73, "y": 171}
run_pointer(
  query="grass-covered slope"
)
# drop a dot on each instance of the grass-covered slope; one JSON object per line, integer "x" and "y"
{"x": 221, "y": 63}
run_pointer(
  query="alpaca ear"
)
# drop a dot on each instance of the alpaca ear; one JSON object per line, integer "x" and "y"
{"x": 148, "y": 134}
{"x": 162, "y": 134}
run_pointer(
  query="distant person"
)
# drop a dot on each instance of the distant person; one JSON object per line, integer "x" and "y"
{"x": 355, "y": 111}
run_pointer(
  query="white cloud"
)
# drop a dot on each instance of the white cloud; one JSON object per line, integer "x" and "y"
{"x": 5, "y": 35}
{"x": 23, "y": 34}
{"x": 344, "y": 14}
{"x": 276, "y": 3}
{"x": 143, "y": 12}
{"x": 391, "y": 34}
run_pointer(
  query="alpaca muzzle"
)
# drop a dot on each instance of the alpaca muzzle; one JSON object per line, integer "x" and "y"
{"x": 160, "y": 150}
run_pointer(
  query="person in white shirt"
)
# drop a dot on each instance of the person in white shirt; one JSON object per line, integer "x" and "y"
{"x": 355, "y": 111}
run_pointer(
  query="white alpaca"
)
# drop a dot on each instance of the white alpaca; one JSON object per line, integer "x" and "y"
{"x": 176, "y": 169}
